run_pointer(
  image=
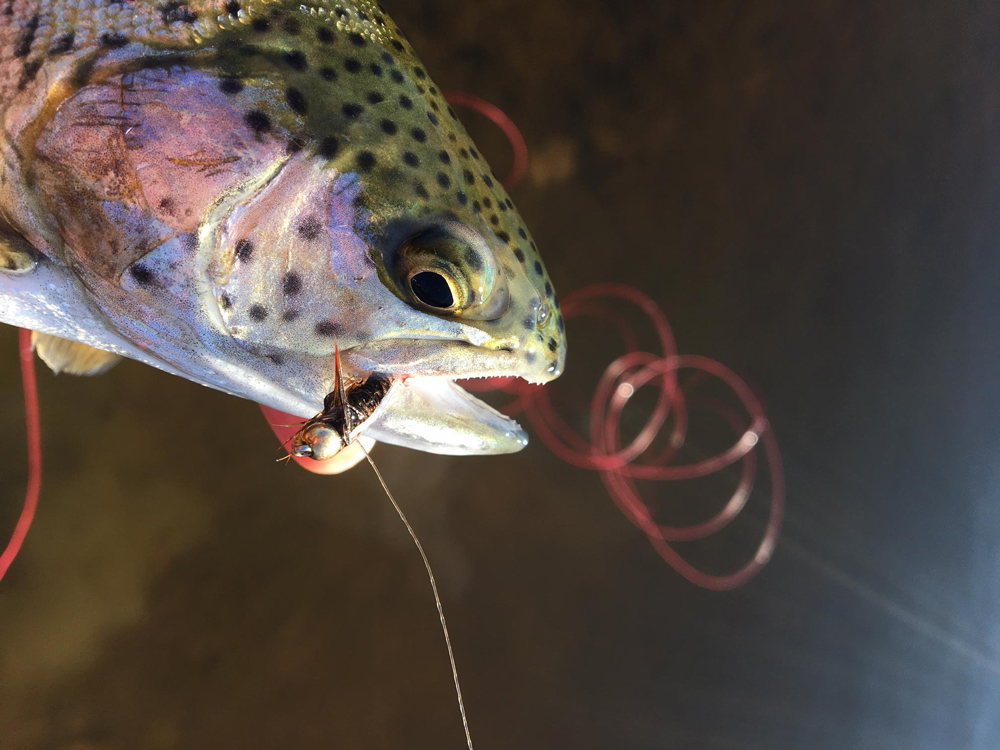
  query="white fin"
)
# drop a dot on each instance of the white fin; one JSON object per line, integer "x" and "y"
{"x": 63, "y": 355}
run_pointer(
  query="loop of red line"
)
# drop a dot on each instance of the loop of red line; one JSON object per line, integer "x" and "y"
{"x": 34, "y": 446}
{"x": 621, "y": 465}
{"x": 603, "y": 451}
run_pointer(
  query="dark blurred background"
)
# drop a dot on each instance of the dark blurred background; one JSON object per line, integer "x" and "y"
{"x": 811, "y": 192}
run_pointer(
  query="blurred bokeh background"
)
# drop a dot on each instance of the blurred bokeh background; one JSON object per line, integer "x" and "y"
{"x": 812, "y": 193}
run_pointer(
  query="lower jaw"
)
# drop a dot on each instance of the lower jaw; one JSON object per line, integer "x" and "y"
{"x": 438, "y": 416}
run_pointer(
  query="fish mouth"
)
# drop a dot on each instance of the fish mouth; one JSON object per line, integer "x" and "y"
{"x": 425, "y": 409}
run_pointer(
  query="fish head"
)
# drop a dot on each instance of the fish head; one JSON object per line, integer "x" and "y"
{"x": 299, "y": 184}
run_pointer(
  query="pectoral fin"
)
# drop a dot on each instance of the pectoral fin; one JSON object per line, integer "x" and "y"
{"x": 73, "y": 357}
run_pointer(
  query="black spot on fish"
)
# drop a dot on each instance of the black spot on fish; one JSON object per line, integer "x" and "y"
{"x": 494, "y": 219}
{"x": 244, "y": 250}
{"x": 444, "y": 157}
{"x": 410, "y": 159}
{"x": 291, "y": 26}
{"x": 352, "y": 111}
{"x": 463, "y": 153}
{"x": 462, "y": 197}
{"x": 356, "y": 39}
{"x": 258, "y": 312}
{"x": 469, "y": 177}
{"x": 28, "y": 73}
{"x": 375, "y": 97}
{"x": 488, "y": 203}
{"x": 472, "y": 259}
{"x": 26, "y": 38}
{"x": 473, "y": 153}
{"x": 552, "y": 345}
{"x": 113, "y": 40}
{"x": 421, "y": 192}
{"x": 397, "y": 75}
{"x": 174, "y": 12}
{"x": 389, "y": 127}
{"x": 310, "y": 228}
{"x": 62, "y": 43}
{"x": 291, "y": 284}
{"x": 328, "y": 74}
{"x": 366, "y": 161}
{"x": 548, "y": 289}
{"x": 340, "y": 13}
{"x": 295, "y": 100}
{"x": 277, "y": 359}
{"x": 257, "y": 121}
{"x": 324, "y": 35}
{"x": 260, "y": 24}
{"x": 419, "y": 73}
{"x": 397, "y": 45}
{"x": 451, "y": 114}
{"x": 418, "y": 135}
{"x": 519, "y": 254}
{"x": 142, "y": 275}
{"x": 166, "y": 204}
{"x": 328, "y": 147}
{"x": 521, "y": 233}
{"x": 432, "y": 118}
{"x": 376, "y": 69}
{"x": 387, "y": 58}
{"x": 233, "y": 7}
{"x": 486, "y": 180}
{"x": 290, "y": 315}
{"x": 538, "y": 268}
{"x": 476, "y": 206}
{"x": 405, "y": 102}
{"x": 328, "y": 328}
{"x": 230, "y": 85}
{"x": 295, "y": 60}
{"x": 225, "y": 301}
{"x": 443, "y": 180}
{"x": 504, "y": 237}
{"x": 294, "y": 145}
{"x": 352, "y": 65}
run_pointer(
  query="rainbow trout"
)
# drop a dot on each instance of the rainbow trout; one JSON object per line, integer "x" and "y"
{"x": 229, "y": 190}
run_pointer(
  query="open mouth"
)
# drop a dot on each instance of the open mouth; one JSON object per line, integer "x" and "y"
{"x": 425, "y": 409}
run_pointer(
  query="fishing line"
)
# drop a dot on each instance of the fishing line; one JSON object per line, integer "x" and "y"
{"x": 434, "y": 589}
{"x": 602, "y": 449}
{"x": 33, "y": 438}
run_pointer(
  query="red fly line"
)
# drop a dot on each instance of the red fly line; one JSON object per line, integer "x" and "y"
{"x": 621, "y": 465}
{"x": 34, "y": 445}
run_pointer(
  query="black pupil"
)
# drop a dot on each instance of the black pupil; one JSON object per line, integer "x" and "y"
{"x": 432, "y": 289}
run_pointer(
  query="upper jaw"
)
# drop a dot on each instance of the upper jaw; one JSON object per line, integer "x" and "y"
{"x": 441, "y": 358}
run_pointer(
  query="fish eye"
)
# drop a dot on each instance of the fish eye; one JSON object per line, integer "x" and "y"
{"x": 450, "y": 269}
{"x": 433, "y": 289}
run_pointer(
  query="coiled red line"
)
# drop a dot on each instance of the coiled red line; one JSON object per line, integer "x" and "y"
{"x": 34, "y": 445}
{"x": 621, "y": 465}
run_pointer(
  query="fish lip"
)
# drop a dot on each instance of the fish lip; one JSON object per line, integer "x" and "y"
{"x": 436, "y": 357}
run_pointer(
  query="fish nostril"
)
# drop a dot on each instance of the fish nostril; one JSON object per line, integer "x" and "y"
{"x": 542, "y": 315}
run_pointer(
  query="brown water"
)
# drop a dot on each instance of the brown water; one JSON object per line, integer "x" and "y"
{"x": 810, "y": 191}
